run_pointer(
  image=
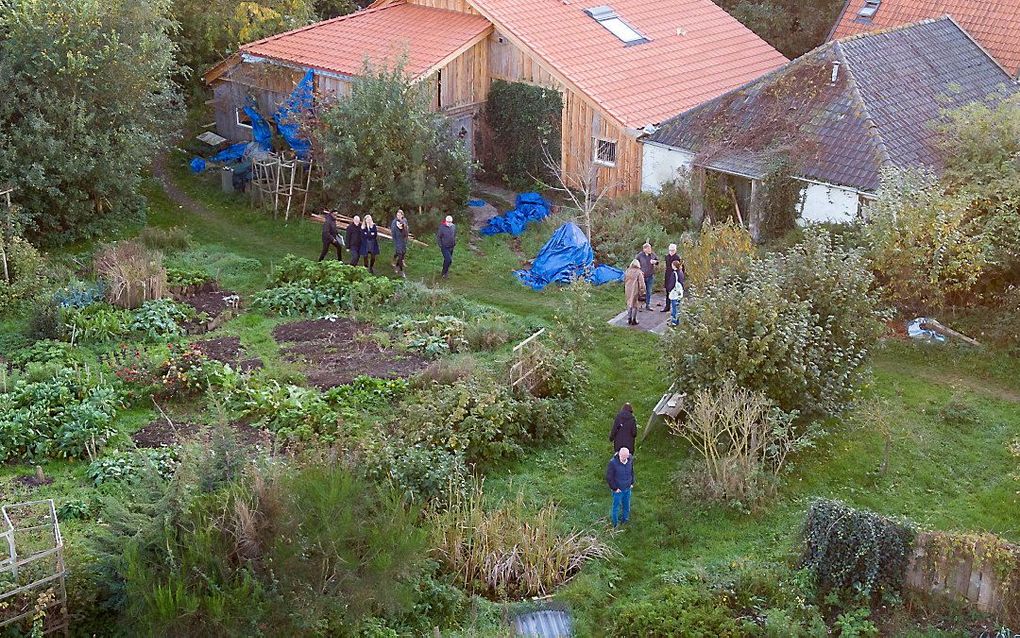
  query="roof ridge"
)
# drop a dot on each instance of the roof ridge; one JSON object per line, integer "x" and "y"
{"x": 887, "y": 30}
{"x": 316, "y": 25}
{"x": 855, "y": 94}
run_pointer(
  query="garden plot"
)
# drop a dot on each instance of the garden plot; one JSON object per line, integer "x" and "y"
{"x": 228, "y": 350}
{"x": 335, "y": 352}
{"x": 162, "y": 433}
{"x": 214, "y": 305}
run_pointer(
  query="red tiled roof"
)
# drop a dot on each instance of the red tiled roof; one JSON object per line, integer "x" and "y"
{"x": 696, "y": 51}
{"x": 995, "y": 24}
{"x": 380, "y": 35}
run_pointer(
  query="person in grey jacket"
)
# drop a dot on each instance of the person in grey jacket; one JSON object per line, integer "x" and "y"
{"x": 400, "y": 234}
{"x": 648, "y": 261}
{"x": 446, "y": 237}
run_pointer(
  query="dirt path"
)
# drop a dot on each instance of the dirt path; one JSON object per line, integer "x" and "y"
{"x": 977, "y": 386}
{"x": 174, "y": 192}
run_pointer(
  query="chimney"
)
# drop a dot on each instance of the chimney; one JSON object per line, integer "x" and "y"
{"x": 835, "y": 73}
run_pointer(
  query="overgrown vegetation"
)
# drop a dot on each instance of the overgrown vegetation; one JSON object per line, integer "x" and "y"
{"x": 525, "y": 122}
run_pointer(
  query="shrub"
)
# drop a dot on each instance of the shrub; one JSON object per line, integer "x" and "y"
{"x": 796, "y": 327}
{"x": 21, "y": 272}
{"x": 525, "y": 123}
{"x": 742, "y": 441}
{"x": 165, "y": 239}
{"x": 134, "y": 273}
{"x": 44, "y": 321}
{"x": 621, "y": 226}
{"x": 717, "y": 250}
{"x": 67, "y": 416}
{"x": 576, "y": 317}
{"x": 422, "y": 472}
{"x": 97, "y": 323}
{"x": 676, "y": 610}
{"x": 674, "y": 200}
{"x": 850, "y": 550}
{"x": 510, "y": 551}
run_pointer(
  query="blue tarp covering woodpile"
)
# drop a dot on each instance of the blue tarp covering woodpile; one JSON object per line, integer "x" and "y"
{"x": 565, "y": 257}
{"x": 528, "y": 207}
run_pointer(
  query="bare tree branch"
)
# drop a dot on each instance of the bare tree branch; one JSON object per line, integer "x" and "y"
{"x": 581, "y": 184}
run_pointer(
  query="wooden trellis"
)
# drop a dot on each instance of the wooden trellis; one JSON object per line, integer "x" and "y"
{"x": 32, "y": 568}
{"x": 525, "y": 363}
{"x": 276, "y": 180}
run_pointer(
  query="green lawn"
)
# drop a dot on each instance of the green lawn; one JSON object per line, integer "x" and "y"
{"x": 942, "y": 470}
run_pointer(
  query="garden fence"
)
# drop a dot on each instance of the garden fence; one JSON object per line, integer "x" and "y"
{"x": 526, "y": 361}
{"x": 32, "y": 568}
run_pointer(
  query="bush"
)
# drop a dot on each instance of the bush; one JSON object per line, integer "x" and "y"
{"x": 576, "y": 317}
{"x": 850, "y": 550}
{"x": 134, "y": 273}
{"x": 68, "y": 416}
{"x": 44, "y": 321}
{"x": 24, "y": 273}
{"x": 621, "y": 226}
{"x": 525, "y": 123}
{"x": 685, "y": 610}
{"x": 165, "y": 239}
{"x": 742, "y": 441}
{"x": 508, "y": 552}
{"x": 796, "y": 327}
{"x": 718, "y": 249}
{"x": 674, "y": 200}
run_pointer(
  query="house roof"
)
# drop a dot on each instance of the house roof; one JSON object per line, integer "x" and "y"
{"x": 889, "y": 89}
{"x": 694, "y": 51}
{"x": 995, "y": 24}
{"x": 427, "y": 36}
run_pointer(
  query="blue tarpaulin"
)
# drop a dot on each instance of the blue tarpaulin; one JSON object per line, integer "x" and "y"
{"x": 232, "y": 153}
{"x": 528, "y": 207}
{"x": 565, "y": 257}
{"x": 288, "y": 117}
{"x": 261, "y": 132}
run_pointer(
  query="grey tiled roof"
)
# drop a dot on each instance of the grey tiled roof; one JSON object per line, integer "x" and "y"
{"x": 890, "y": 89}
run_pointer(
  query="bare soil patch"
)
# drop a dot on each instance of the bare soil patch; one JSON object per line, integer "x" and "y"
{"x": 228, "y": 350}
{"x": 212, "y": 301}
{"x": 162, "y": 433}
{"x": 30, "y": 480}
{"x": 334, "y": 353}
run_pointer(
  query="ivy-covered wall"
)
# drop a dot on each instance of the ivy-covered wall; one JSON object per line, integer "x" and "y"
{"x": 522, "y": 120}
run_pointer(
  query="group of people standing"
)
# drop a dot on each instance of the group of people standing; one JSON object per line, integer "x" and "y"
{"x": 639, "y": 281}
{"x": 361, "y": 238}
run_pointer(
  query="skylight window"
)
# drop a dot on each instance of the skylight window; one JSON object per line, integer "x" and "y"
{"x": 869, "y": 9}
{"x": 605, "y": 16}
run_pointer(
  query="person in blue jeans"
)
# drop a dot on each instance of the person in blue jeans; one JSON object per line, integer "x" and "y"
{"x": 675, "y": 280}
{"x": 620, "y": 477}
{"x": 446, "y": 237}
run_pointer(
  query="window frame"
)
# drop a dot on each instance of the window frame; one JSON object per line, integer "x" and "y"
{"x": 237, "y": 118}
{"x": 596, "y": 145}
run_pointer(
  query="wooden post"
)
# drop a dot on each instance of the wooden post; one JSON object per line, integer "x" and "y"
{"x": 754, "y": 214}
{"x": 697, "y": 195}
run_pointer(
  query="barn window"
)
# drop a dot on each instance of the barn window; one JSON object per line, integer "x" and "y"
{"x": 242, "y": 118}
{"x": 605, "y": 151}
{"x": 605, "y": 16}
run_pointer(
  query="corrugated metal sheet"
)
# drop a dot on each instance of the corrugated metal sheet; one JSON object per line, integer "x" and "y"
{"x": 546, "y": 623}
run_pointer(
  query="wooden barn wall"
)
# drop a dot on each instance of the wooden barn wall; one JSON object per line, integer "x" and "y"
{"x": 510, "y": 63}
{"x": 581, "y": 124}
{"x": 270, "y": 85}
{"x": 465, "y": 80}
{"x": 453, "y": 5}
{"x": 330, "y": 88}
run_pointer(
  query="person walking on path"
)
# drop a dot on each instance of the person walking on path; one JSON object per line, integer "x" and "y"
{"x": 647, "y": 259}
{"x": 446, "y": 237}
{"x": 624, "y": 431}
{"x": 675, "y": 280}
{"x": 620, "y": 477}
{"x": 369, "y": 242}
{"x": 400, "y": 233}
{"x": 331, "y": 236}
{"x": 633, "y": 287}
{"x": 670, "y": 259}
{"x": 354, "y": 239}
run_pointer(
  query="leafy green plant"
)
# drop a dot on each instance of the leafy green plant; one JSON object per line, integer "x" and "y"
{"x": 301, "y": 286}
{"x": 186, "y": 277}
{"x": 67, "y": 416}
{"x": 185, "y": 371}
{"x": 47, "y": 351}
{"x": 161, "y": 320}
{"x": 79, "y": 294}
{"x": 849, "y": 550}
{"x": 125, "y": 466}
{"x": 856, "y": 623}
{"x": 97, "y": 323}
{"x": 21, "y": 271}
{"x": 432, "y": 336}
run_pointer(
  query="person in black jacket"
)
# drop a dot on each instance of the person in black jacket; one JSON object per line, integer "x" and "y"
{"x": 620, "y": 478}
{"x": 369, "y": 243}
{"x": 354, "y": 239}
{"x": 671, "y": 257}
{"x": 446, "y": 237}
{"x": 331, "y": 236}
{"x": 624, "y": 430}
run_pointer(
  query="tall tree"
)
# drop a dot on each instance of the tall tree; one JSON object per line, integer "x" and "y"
{"x": 86, "y": 100}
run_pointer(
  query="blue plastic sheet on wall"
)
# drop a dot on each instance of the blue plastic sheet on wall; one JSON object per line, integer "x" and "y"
{"x": 528, "y": 208}
{"x": 293, "y": 110}
{"x": 565, "y": 257}
{"x": 261, "y": 132}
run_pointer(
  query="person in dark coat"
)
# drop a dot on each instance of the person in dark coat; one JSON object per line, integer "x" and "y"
{"x": 676, "y": 281}
{"x": 624, "y": 430}
{"x": 648, "y": 260}
{"x": 446, "y": 237}
{"x": 354, "y": 239}
{"x": 331, "y": 236}
{"x": 671, "y": 256}
{"x": 369, "y": 242}
{"x": 400, "y": 233}
{"x": 620, "y": 478}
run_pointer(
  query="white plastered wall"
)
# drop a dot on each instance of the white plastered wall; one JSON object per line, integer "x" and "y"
{"x": 660, "y": 164}
{"x": 827, "y": 203}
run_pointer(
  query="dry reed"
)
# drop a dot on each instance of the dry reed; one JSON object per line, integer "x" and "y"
{"x": 134, "y": 273}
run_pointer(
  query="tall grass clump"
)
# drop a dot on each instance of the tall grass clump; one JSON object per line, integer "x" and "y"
{"x": 165, "y": 239}
{"x": 509, "y": 552}
{"x": 134, "y": 273}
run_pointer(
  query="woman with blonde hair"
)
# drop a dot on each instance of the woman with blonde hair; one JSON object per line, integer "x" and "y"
{"x": 369, "y": 243}
{"x": 634, "y": 287}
